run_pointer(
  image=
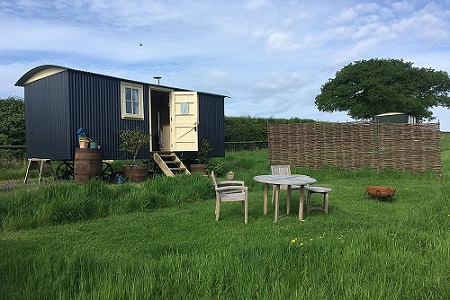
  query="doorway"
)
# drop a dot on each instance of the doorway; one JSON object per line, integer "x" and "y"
{"x": 160, "y": 120}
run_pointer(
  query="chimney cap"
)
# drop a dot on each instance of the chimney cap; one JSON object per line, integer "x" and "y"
{"x": 157, "y": 78}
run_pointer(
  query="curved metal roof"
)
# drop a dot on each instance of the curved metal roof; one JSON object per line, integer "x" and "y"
{"x": 47, "y": 70}
{"x": 38, "y": 73}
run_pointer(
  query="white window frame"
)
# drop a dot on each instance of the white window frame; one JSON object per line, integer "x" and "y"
{"x": 140, "y": 100}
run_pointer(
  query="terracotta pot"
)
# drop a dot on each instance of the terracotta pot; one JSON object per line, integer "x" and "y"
{"x": 380, "y": 191}
{"x": 84, "y": 143}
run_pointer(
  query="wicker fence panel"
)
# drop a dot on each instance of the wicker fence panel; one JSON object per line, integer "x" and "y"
{"x": 406, "y": 147}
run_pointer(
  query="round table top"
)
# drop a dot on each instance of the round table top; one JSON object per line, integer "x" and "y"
{"x": 285, "y": 179}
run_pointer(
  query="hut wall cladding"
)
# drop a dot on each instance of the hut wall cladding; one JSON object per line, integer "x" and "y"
{"x": 46, "y": 106}
{"x": 211, "y": 110}
{"x": 95, "y": 106}
{"x": 404, "y": 147}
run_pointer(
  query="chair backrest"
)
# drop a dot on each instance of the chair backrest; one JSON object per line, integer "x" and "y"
{"x": 281, "y": 170}
{"x": 213, "y": 176}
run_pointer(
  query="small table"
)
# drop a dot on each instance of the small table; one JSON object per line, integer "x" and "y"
{"x": 289, "y": 181}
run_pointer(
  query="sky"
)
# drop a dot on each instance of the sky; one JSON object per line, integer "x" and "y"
{"x": 270, "y": 57}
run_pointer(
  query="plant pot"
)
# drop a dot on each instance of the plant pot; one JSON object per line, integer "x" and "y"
{"x": 380, "y": 191}
{"x": 198, "y": 168}
{"x": 135, "y": 173}
{"x": 84, "y": 143}
{"x": 230, "y": 176}
{"x": 93, "y": 145}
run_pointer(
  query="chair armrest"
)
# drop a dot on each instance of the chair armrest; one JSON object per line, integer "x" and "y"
{"x": 231, "y": 183}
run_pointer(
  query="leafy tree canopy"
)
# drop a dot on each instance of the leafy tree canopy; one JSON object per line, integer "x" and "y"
{"x": 12, "y": 121}
{"x": 370, "y": 87}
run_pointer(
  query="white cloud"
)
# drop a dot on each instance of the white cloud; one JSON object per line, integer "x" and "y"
{"x": 346, "y": 15}
{"x": 282, "y": 41}
{"x": 270, "y": 58}
{"x": 403, "y": 6}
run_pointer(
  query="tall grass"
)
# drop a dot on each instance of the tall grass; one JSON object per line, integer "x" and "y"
{"x": 159, "y": 240}
{"x": 63, "y": 202}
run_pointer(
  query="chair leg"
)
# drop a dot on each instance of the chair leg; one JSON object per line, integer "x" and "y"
{"x": 246, "y": 211}
{"x": 217, "y": 209}
{"x": 325, "y": 202}
{"x": 273, "y": 193}
{"x": 308, "y": 201}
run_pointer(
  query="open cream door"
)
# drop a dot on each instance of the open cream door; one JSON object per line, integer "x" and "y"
{"x": 183, "y": 121}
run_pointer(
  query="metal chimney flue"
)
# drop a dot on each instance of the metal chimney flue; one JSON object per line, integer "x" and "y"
{"x": 157, "y": 79}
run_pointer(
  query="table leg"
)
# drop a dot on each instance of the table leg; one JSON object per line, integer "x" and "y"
{"x": 288, "y": 199}
{"x": 277, "y": 201}
{"x": 266, "y": 195}
{"x": 300, "y": 205}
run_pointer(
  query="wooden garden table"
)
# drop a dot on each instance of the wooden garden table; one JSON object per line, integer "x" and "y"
{"x": 289, "y": 180}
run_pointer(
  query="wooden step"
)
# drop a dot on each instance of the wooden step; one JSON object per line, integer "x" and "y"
{"x": 170, "y": 164}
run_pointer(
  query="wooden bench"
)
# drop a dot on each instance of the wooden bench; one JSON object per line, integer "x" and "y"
{"x": 41, "y": 164}
{"x": 317, "y": 189}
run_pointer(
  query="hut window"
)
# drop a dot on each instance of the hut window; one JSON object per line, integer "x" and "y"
{"x": 132, "y": 101}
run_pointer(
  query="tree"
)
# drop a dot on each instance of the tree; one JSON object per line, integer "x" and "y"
{"x": 133, "y": 141}
{"x": 370, "y": 87}
{"x": 12, "y": 121}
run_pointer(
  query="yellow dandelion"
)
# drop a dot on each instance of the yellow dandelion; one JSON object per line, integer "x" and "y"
{"x": 293, "y": 241}
{"x": 301, "y": 244}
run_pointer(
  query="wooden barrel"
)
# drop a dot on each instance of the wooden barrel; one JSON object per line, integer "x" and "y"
{"x": 87, "y": 164}
{"x": 137, "y": 173}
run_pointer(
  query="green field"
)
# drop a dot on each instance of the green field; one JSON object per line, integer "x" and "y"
{"x": 159, "y": 239}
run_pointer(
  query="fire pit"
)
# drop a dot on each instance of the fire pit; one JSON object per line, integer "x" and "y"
{"x": 380, "y": 191}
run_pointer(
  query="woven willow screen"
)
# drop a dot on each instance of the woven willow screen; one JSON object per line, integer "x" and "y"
{"x": 405, "y": 147}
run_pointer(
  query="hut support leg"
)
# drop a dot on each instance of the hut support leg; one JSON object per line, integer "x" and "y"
{"x": 38, "y": 163}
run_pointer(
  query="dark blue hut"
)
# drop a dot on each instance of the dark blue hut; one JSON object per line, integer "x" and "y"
{"x": 60, "y": 100}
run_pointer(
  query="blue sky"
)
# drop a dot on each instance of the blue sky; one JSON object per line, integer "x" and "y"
{"x": 270, "y": 57}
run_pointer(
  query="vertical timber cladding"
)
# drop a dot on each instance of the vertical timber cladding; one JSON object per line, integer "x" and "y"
{"x": 47, "y": 121}
{"x": 404, "y": 147}
{"x": 211, "y": 122}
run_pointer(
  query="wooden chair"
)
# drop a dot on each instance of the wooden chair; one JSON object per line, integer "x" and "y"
{"x": 284, "y": 170}
{"x": 317, "y": 189}
{"x": 230, "y": 191}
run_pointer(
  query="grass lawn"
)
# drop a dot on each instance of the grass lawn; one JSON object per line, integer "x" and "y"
{"x": 159, "y": 239}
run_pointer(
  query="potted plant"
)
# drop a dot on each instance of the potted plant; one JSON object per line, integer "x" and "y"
{"x": 202, "y": 158}
{"x": 84, "y": 141}
{"x": 230, "y": 175}
{"x": 132, "y": 142}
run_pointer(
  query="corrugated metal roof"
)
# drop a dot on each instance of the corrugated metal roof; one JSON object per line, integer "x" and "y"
{"x": 43, "y": 69}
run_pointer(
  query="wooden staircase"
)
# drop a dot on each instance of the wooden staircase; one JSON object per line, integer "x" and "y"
{"x": 169, "y": 163}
